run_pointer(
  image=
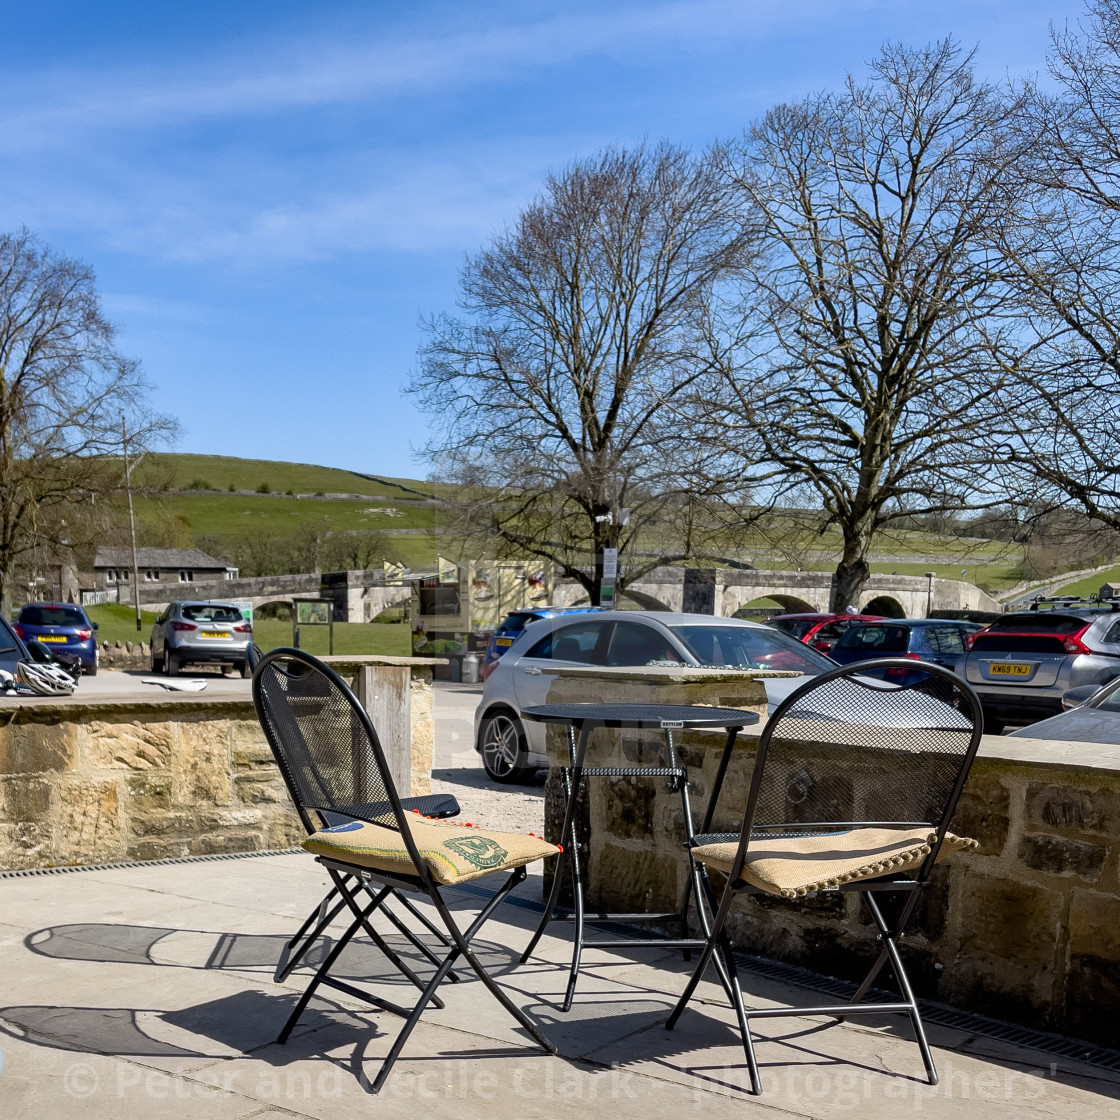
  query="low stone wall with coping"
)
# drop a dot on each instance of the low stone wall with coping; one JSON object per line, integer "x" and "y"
{"x": 112, "y": 778}
{"x": 1026, "y": 929}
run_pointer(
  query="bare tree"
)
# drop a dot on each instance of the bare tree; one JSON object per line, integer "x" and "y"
{"x": 877, "y": 350}
{"x": 554, "y": 400}
{"x": 1061, "y": 430}
{"x": 63, "y": 389}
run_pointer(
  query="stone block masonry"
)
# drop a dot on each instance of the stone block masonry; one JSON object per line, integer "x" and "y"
{"x": 113, "y": 779}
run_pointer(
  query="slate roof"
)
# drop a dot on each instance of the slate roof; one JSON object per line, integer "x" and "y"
{"x": 193, "y": 558}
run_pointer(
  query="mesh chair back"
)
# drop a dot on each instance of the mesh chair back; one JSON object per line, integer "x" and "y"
{"x": 880, "y": 742}
{"x": 323, "y": 740}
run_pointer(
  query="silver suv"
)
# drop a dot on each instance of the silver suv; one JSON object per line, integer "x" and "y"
{"x": 195, "y": 633}
{"x": 1022, "y": 664}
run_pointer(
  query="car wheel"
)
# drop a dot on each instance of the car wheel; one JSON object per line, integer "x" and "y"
{"x": 171, "y": 663}
{"x": 502, "y": 740}
{"x": 92, "y": 670}
{"x": 156, "y": 662}
{"x": 245, "y": 670}
{"x": 993, "y": 725}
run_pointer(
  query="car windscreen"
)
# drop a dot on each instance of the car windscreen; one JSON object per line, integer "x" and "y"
{"x": 1111, "y": 703}
{"x": 52, "y": 616}
{"x": 880, "y": 639}
{"x": 211, "y": 613}
{"x": 795, "y": 627}
{"x": 750, "y": 647}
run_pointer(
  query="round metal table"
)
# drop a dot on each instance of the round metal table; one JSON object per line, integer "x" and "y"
{"x": 581, "y": 721}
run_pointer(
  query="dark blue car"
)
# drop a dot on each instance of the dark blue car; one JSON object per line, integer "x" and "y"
{"x": 917, "y": 639}
{"x": 511, "y": 626}
{"x": 63, "y": 628}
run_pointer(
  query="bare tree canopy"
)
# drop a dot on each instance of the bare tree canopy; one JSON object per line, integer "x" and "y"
{"x": 878, "y": 310}
{"x": 553, "y": 400}
{"x": 1061, "y": 429}
{"x": 63, "y": 390}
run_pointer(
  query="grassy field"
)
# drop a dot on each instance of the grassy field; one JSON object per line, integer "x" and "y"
{"x": 223, "y": 518}
{"x": 1089, "y": 586}
{"x": 223, "y": 471}
{"x": 117, "y": 623}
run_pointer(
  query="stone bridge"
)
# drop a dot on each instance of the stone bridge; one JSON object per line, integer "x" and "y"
{"x": 723, "y": 591}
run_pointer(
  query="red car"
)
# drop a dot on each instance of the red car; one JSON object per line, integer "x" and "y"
{"x": 821, "y": 631}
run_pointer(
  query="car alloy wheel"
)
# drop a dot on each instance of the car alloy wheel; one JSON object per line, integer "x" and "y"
{"x": 503, "y": 748}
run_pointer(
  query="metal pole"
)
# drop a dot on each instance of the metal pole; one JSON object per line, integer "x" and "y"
{"x": 929, "y": 593}
{"x": 131, "y": 526}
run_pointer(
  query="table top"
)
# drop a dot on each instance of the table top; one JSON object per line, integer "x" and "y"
{"x": 664, "y": 716}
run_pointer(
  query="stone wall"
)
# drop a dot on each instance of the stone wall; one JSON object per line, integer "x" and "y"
{"x": 1026, "y": 929}
{"x": 104, "y": 780}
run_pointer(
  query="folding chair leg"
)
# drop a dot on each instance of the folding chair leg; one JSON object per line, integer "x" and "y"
{"x": 374, "y": 936}
{"x": 415, "y": 941}
{"x": 461, "y": 946}
{"x": 891, "y": 950}
{"x": 289, "y": 960}
{"x": 320, "y": 975}
{"x": 736, "y": 992}
{"x": 433, "y": 929}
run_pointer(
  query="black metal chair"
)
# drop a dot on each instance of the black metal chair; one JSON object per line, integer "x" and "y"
{"x": 857, "y": 776}
{"x": 437, "y": 805}
{"x": 333, "y": 764}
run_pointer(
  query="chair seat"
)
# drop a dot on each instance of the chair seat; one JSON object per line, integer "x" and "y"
{"x": 427, "y": 805}
{"x": 794, "y": 866}
{"x": 452, "y": 853}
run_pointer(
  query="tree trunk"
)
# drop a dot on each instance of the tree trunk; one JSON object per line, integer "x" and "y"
{"x": 852, "y": 574}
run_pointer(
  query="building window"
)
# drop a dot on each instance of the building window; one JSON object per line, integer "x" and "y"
{"x": 186, "y": 576}
{"x": 152, "y": 575}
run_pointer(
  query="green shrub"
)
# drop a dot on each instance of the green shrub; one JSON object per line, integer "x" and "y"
{"x": 199, "y": 484}
{"x": 264, "y": 488}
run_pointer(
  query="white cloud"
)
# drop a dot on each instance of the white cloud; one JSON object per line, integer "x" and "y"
{"x": 287, "y": 75}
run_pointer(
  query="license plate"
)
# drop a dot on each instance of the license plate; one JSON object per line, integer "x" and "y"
{"x": 213, "y": 634}
{"x": 1009, "y": 669}
{"x": 504, "y": 642}
{"x": 52, "y": 637}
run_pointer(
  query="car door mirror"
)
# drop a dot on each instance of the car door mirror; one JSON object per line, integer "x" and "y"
{"x": 96, "y": 625}
{"x": 1077, "y": 697}
{"x": 822, "y": 645}
{"x": 38, "y": 651}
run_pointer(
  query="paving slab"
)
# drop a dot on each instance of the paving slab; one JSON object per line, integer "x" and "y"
{"x": 133, "y": 992}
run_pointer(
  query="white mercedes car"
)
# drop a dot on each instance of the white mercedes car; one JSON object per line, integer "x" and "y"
{"x": 513, "y": 748}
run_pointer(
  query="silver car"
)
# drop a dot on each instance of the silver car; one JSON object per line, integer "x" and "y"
{"x": 1023, "y": 663}
{"x": 193, "y": 633}
{"x": 512, "y": 749}
{"x": 1092, "y": 719}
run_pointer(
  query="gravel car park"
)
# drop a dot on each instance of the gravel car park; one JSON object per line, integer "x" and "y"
{"x": 511, "y": 748}
{"x": 1023, "y": 663}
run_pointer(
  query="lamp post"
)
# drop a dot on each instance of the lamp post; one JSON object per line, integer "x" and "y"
{"x": 131, "y": 525}
{"x": 929, "y": 593}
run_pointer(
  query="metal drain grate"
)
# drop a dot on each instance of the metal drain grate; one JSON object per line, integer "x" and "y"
{"x": 71, "y": 869}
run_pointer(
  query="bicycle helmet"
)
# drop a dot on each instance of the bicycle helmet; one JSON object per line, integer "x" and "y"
{"x": 44, "y": 680}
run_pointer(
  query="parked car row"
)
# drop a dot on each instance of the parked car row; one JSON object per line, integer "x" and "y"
{"x": 1021, "y": 665}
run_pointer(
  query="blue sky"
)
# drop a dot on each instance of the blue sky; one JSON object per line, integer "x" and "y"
{"x": 274, "y": 193}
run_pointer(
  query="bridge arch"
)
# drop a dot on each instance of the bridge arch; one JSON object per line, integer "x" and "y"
{"x": 786, "y": 604}
{"x": 886, "y": 605}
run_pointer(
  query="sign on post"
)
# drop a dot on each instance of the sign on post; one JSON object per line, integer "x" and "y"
{"x": 610, "y": 576}
{"x": 312, "y": 612}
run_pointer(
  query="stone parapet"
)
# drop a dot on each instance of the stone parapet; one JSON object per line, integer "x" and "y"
{"x": 104, "y": 779}
{"x": 1025, "y": 929}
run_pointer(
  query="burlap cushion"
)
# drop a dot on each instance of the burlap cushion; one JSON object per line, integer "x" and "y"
{"x": 794, "y": 866}
{"x": 453, "y": 853}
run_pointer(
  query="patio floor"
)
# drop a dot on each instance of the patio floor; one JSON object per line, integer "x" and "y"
{"x": 134, "y": 992}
